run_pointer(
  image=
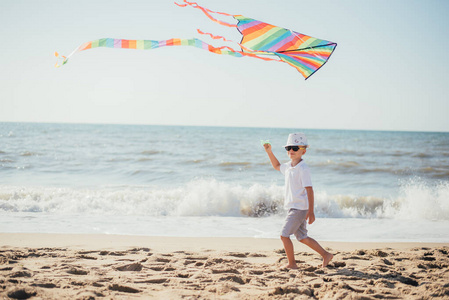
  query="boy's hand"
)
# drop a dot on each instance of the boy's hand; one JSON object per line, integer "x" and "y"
{"x": 267, "y": 147}
{"x": 274, "y": 161}
{"x": 310, "y": 216}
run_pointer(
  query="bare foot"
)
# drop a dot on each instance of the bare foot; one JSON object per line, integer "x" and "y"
{"x": 294, "y": 267}
{"x": 327, "y": 258}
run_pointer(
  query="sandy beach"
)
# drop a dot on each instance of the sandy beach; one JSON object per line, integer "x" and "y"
{"x": 59, "y": 266}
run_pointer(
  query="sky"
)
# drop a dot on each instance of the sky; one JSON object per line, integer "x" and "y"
{"x": 388, "y": 72}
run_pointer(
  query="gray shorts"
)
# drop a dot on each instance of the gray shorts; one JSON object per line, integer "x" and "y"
{"x": 296, "y": 224}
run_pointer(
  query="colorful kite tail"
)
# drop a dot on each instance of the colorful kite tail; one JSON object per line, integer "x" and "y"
{"x": 249, "y": 52}
{"x": 260, "y": 40}
{"x": 59, "y": 57}
{"x": 208, "y": 12}
{"x": 62, "y": 60}
{"x": 148, "y": 45}
{"x": 245, "y": 50}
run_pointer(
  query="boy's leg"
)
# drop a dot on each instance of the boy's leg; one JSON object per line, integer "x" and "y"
{"x": 288, "y": 246}
{"x": 292, "y": 223}
{"x": 327, "y": 257}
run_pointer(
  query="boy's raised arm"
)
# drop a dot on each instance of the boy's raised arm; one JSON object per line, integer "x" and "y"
{"x": 274, "y": 161}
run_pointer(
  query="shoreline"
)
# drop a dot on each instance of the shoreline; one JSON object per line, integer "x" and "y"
{"x": 96, "y": 266}
{"x": 162, "y": 243}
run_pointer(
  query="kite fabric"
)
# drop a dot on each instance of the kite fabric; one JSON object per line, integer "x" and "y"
{"x": 259, "y": 40}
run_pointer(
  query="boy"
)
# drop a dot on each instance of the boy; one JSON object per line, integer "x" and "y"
{"x": 299, "y": 200}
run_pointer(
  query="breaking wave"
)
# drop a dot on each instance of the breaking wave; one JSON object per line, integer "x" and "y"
{"x": 416, "y": 200}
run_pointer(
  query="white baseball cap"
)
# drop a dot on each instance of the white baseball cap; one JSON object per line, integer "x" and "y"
{"x": 297, "y": 139}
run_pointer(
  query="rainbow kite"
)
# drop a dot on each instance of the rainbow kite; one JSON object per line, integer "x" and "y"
{"x": 260, "y": 40}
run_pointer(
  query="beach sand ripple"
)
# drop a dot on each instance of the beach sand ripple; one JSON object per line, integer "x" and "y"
{"x": 58, "y": 273}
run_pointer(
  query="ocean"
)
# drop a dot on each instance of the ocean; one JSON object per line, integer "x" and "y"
{"x": 186, "y": 181}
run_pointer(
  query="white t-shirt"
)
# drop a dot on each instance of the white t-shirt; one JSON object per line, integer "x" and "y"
{"x": 297, "y": 178}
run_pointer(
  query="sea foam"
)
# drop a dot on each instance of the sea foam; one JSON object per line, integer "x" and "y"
{"x": 209, "y": 197}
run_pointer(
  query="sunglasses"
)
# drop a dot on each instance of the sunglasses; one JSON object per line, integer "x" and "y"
{"x": 294, "y": 148}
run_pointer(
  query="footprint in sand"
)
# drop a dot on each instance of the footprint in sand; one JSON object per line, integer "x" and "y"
{"x": 45, "y": 285}
{"x": 136, "y": 250}
{"x": 432, "y": 266}
{"x": 189, "y": 262}
{"x": 238, "y": 254}
{"x": 113, "y": 253}
{"x": 89, "y": 295}
{"x": 183, "y": 275}
{"x": 135, "y": 267}
{"x": 216, "y": 261}
{"x": 308, "y": 268}
{"x": 443, "y": 251}
{"x": 83, "y": 256}
{"x": 257, "y": 255}
{"x": 21, "y": 293}
{"x": 153, "y": 280}
{"x": 164, "y": 260}
{"x": 77, "y": 271}
{"x": 20, "y": 274}
{"x": 225, "y": 270}
{"x": 197, "y": 260}
{"x": 356, "y": 257}
{"x": 338, "y": 264}
{"x": 233, "y": 278}
{"x": 292, "y": 290}
{"x": 428, "y": 258}
{"x": 87, "y": 252}
{"x": 123, "y": 288}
